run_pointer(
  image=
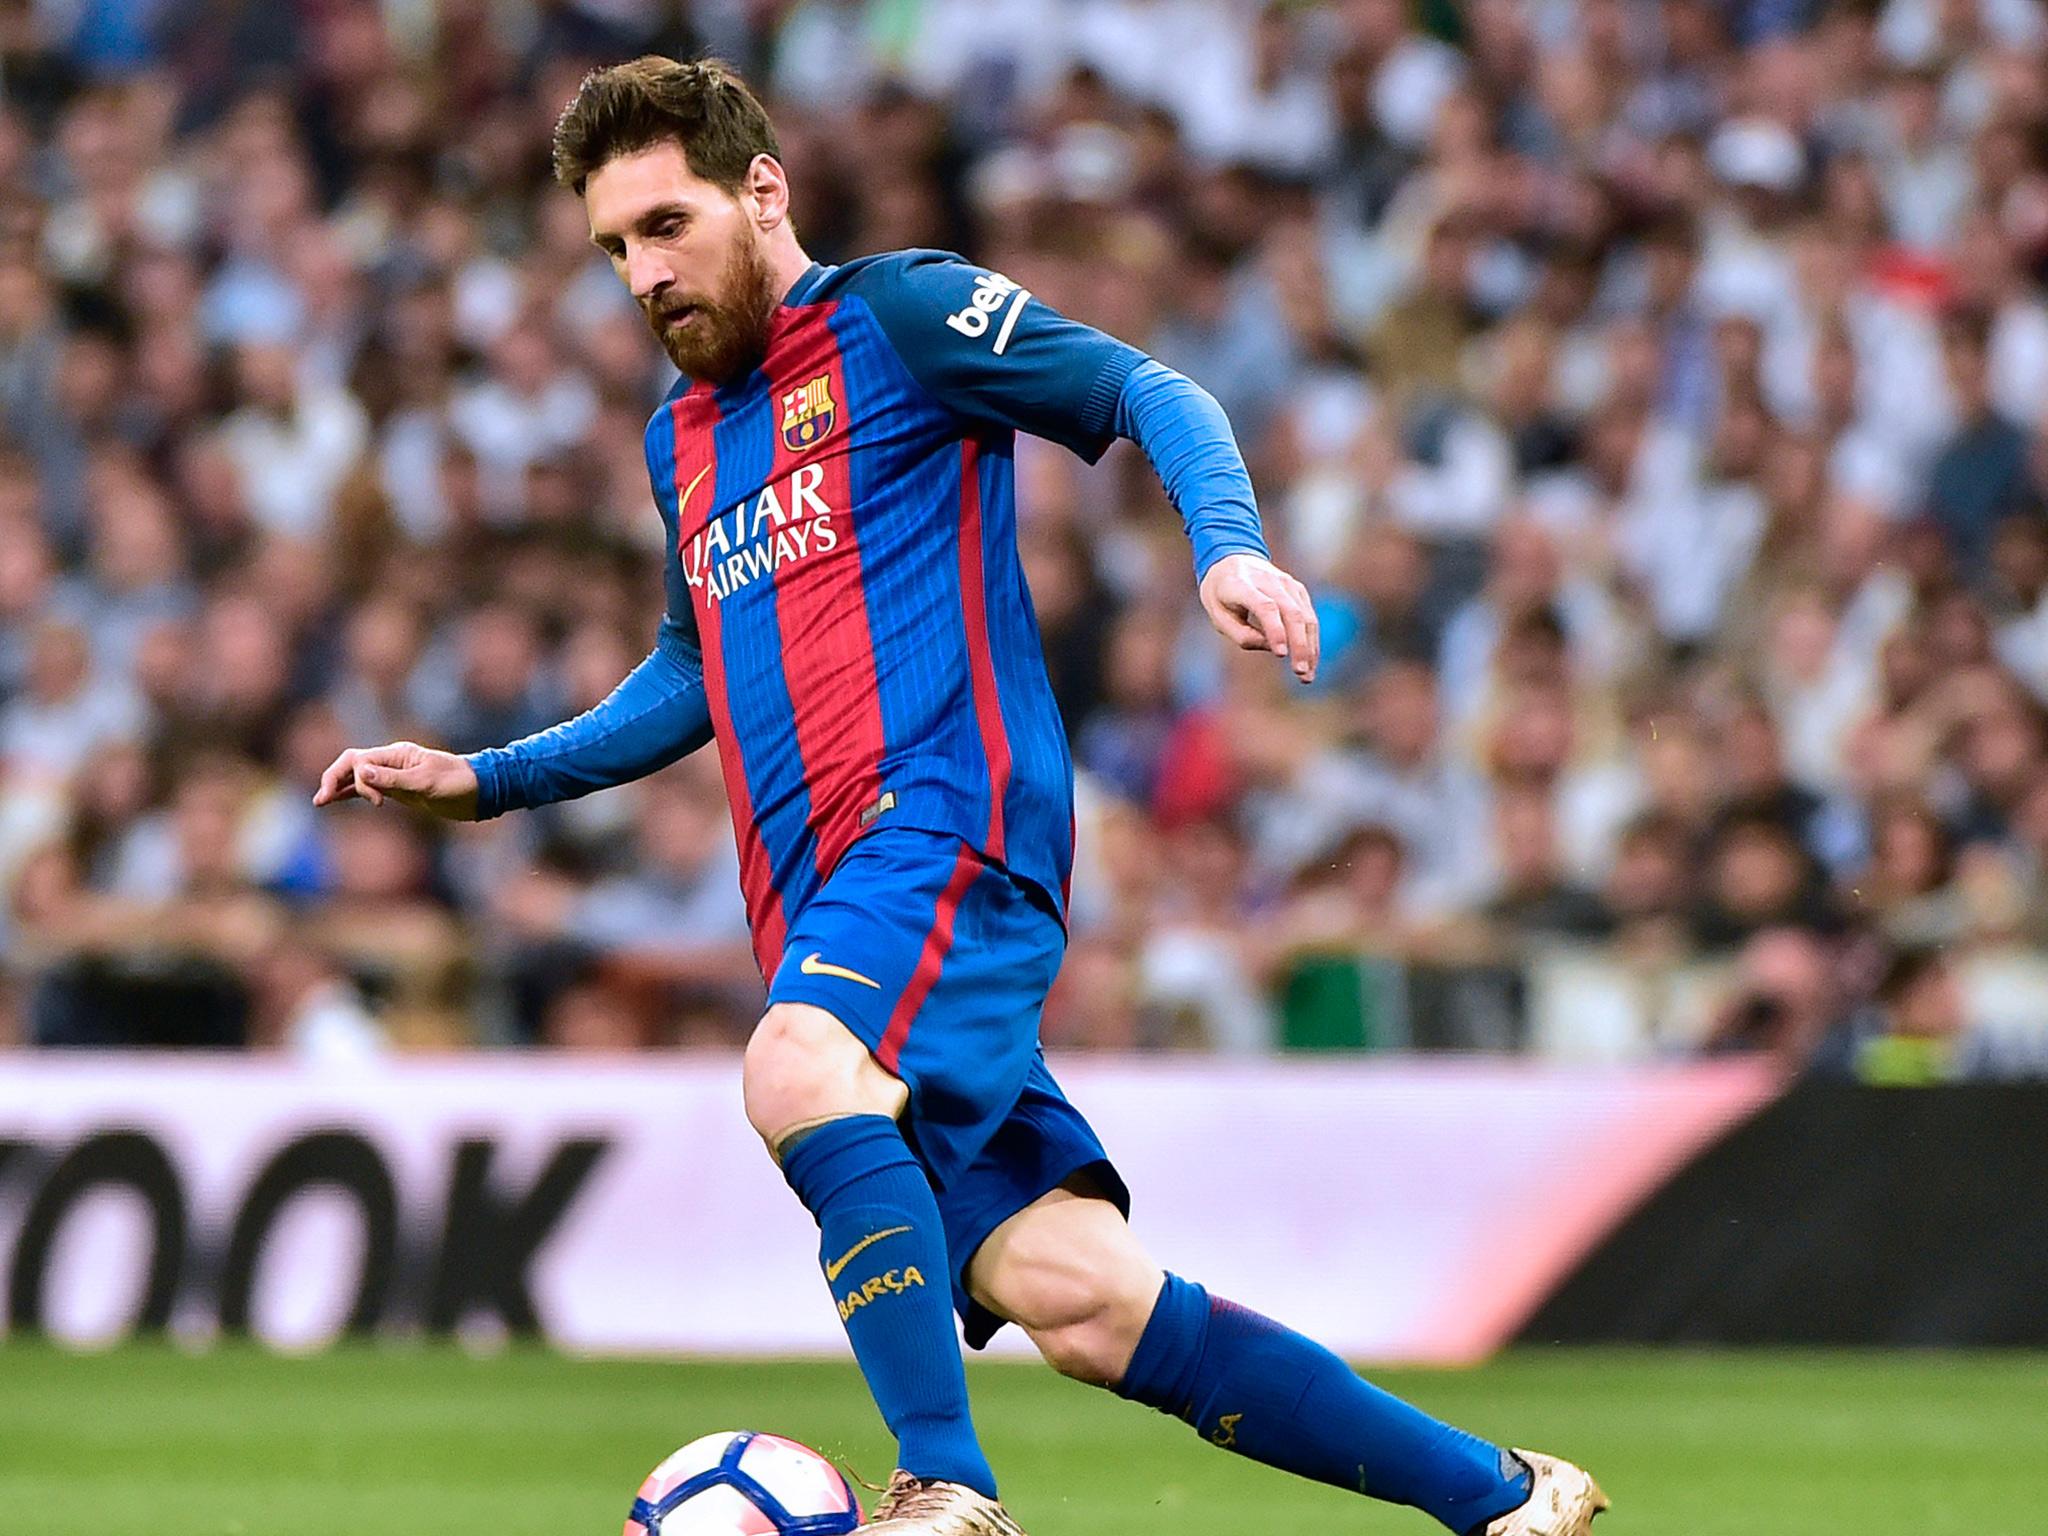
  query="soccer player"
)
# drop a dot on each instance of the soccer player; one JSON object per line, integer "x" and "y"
{"x": 848, "y": 621}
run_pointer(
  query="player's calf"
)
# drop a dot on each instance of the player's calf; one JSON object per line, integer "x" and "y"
{"x": 1069, "y": 1272}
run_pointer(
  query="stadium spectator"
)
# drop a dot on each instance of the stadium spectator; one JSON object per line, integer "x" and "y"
{"x": 1654, "y": 395}
{"x": 1786, "y": 1000}
{"x": 1533, "y": 895}
{"x": 1979, "y": 476}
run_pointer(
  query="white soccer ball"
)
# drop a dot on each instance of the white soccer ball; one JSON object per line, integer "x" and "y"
{"x": 744, "y": 1484}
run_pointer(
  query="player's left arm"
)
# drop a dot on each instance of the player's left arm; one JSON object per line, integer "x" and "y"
{"x": 1250, "y": 600}
{"x": 990, "y": 349}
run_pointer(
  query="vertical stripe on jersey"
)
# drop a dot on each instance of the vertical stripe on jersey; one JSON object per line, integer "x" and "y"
{"x": 938, "y": 942}
{"x": 828, "y": 651}
{"x": 697, "y": 421}
{"x": 988, "y": 708}
{"x": 762, "y": 709}
{"x": 1040, "y": 825}
{"x": 909, "y": 498}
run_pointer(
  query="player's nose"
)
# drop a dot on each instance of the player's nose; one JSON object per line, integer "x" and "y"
{"x": 645, "y": 274}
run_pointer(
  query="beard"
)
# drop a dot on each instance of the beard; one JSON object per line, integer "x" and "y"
{"x": 727, "y": 334}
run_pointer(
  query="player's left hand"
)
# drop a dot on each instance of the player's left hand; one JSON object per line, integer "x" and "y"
{"x": 1259, "y": 607}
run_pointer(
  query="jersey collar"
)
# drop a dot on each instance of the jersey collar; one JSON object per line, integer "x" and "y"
{"x": 800, "y": 291}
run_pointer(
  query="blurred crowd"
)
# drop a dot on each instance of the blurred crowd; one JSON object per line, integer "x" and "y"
{"x": 1652, "y": 392}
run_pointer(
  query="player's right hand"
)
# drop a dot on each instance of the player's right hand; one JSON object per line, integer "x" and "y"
{"x": 405, "y": 771}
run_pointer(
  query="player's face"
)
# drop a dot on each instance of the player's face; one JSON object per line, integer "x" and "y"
{"x": 690, "y": 252}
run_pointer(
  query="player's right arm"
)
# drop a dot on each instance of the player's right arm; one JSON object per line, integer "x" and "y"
{"x": 657, "y": 714}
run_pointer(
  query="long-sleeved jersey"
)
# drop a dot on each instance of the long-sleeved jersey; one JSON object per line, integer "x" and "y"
{"x": 844, "y": 586}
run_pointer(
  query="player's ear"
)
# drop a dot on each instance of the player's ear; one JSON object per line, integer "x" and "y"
{"x": 766, "y": 191}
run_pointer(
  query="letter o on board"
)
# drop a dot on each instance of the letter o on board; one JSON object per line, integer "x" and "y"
{"x": 108, "y": 1160}
{"x": 337, "y": 1160}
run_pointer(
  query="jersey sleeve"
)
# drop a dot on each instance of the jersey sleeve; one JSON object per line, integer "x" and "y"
{"x": 1185, "y": 434}
{"x": 994, "y": 351}
{"x": 657, "y": 714}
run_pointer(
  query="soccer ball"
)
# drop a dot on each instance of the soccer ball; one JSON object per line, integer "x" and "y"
{"x": 744, "y": 1484}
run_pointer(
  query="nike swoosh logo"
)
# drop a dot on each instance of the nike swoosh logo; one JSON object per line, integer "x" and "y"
{"x": 688, "y": 491}
{"x": 811, "y": 965}
{"x": 846, "y": 1258}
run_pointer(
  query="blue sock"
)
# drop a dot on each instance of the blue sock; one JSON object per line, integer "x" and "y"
{"x": 1251, "y": 1386}
{"x": 884, "y": 1253}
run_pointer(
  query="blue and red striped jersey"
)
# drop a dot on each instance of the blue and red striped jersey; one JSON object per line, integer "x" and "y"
{"x": 842, "y": 542}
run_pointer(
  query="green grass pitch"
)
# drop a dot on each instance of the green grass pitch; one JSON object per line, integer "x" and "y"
{"x": 431, "y": 1442}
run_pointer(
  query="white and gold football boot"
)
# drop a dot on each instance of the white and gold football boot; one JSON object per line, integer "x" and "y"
{"x": 914, "y": 1507}
{"x": 1563, "y": 1500}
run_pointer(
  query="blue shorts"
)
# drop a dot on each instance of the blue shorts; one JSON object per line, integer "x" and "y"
{"x": 939, "y": 961}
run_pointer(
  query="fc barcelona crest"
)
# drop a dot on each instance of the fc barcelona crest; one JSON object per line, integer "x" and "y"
{"x": 808, "y": 414}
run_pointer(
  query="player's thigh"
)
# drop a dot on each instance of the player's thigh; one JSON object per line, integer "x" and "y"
{"x": 937, "y": 961}
{"x": 1067, "y": 1261}
{"x": 805, "y": 1066}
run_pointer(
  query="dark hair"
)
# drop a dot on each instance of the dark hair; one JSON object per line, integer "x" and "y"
{"x": 1659, "y": 827}
{"x": 1541, "y": 625}
{"x": 703, "y": 106}
{"x": 1967, "y": 325}
{"x": 1369, "y": 838}
{"x": 1675, "y": 230}
{"x": 1906, "y": 970}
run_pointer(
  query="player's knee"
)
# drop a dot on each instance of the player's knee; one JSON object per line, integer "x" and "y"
{"x": 803, "y": 1066}
{"x": 789, "y": 1071}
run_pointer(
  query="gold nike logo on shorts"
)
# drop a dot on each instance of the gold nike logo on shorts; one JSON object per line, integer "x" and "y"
{"x": 846, "y": 1258}
{"x": 811, "y": 965}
